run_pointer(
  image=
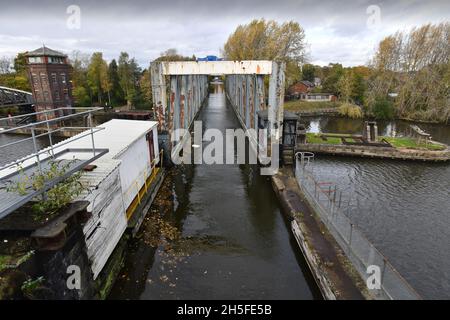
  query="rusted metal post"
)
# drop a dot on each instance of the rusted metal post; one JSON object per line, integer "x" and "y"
{"x": 159, "y": 93}
{"x": 92, "y": 132}
{"x": 36, "y": 151}
{"x": 275, "y": 105}
{"x": 49, "y": 132}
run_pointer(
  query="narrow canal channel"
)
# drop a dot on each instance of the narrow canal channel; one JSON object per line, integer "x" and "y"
{"x": 233, "y": 242}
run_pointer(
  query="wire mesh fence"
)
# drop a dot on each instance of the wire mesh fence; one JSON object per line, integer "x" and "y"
{"x": 383, "y": 281}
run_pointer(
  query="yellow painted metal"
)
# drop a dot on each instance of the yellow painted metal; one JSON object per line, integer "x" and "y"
{"x": 144, "y": 189}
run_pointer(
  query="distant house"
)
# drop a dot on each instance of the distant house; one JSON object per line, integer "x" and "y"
{"x": 301, "y": 87}
{"x": 317, "y": 97}
{"x": 303, "y": 91}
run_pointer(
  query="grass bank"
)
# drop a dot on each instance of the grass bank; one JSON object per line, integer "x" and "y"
{"x": 398, "y": 142}
{"x": 409, "y": 143}
{"x": 298, "y": 105}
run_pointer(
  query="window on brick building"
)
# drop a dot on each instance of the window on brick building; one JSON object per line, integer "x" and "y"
{"x": 35, "y": 59}
{"x": 35, "y": 78}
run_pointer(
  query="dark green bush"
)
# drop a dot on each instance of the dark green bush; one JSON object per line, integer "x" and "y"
{"x": 383, "y": 109}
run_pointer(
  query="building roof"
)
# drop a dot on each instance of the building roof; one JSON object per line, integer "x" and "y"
{"x": 117, "y": 136}
{"x": 307, "y": 83}
{"x": 45, "y": 51}
{"x": 319, "y": 94}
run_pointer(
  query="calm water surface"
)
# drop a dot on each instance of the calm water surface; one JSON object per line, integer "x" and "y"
{"x": 238, "y": 245}
{"x": 402, "y": 207}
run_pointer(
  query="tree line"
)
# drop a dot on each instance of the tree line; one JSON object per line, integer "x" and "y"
{"x": 13, "y": 73}
{"x": 95, "y": 81}
{"x": 408, "y": 76}
{"x": 117, "y": 83}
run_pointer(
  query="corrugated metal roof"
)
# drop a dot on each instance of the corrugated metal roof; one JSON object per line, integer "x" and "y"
{"x": 117, "y": 136}
{"x": 92, "y": 179}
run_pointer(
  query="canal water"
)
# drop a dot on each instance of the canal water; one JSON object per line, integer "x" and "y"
{"x": 402, "y": 207}
{"x": 233, "y": 242}
{"x": 15, "y": 152}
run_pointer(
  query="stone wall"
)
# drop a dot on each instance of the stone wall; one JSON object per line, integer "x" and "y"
{"x": 377, "y": 152}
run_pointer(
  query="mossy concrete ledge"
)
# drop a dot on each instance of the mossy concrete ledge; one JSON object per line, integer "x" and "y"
{"x": 377, "y": 152}
{"x": 332, "y": 271}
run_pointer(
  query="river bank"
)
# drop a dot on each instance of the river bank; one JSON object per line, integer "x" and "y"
{"x": 333, "y": 272}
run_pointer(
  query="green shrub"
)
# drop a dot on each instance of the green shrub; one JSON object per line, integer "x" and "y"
{"x": 350, "y": 110}
{"x": 56, "y": 197}
{"x": 383, "y": 109}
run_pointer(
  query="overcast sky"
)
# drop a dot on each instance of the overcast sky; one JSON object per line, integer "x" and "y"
{"x": 336, "y": 31}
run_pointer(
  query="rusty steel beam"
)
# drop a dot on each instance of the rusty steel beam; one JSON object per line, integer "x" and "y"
{"x": 217, "y": 67}
{"x": 276, "y": 101}
{"x": 244, "y": 84}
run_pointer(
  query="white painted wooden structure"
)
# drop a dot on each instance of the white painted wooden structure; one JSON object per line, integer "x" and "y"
{"x": 115, "y": 182}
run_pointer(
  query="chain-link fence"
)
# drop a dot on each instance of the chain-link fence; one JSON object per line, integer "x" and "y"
{"x": 383, "y": 281}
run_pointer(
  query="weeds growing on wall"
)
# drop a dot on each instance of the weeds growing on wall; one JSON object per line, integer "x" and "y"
{"x": 56, "y": 197}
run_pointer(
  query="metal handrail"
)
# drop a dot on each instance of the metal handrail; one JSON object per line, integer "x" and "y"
{"x": 309, "y": 176}
{"x": 33, "y": 126}
{"x": 82, "y": 135}
{"x": 46, "y": 134}
{"x": 36, "y": 124}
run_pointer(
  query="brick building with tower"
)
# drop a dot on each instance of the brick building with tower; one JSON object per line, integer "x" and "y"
{"x": 49, "y": 74}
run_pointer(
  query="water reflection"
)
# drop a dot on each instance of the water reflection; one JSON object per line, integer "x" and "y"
{"x": 234, "y": 242}
{"x": 402, "y": 207}
{"x": 15, "y": 152}
{"x": 439, "y": 132}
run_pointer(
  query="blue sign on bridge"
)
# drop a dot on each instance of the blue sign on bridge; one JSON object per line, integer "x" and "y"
{"x": 210, "y": 58}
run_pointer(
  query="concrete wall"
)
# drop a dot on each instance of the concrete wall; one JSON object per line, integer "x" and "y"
{"x": 377, "y": 152}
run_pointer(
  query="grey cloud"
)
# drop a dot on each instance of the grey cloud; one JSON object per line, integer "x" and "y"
{"x": 335, "y": 30}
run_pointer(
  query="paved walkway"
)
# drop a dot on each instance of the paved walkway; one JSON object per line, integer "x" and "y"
{"x": 326, "y": 258}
